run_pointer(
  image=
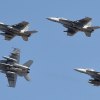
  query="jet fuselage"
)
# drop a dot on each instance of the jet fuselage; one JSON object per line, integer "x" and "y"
{"x": 75, "y": 25}
{"x": 11, "y": 64}
{"x": 11, "y": 30}
{"x": 17, "y": 68}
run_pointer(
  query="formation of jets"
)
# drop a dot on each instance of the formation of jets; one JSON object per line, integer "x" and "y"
{"x": 21, "y": 29}
{"x": 10, "y": 64}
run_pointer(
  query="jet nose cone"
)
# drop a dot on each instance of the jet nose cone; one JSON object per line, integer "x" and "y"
{"x": 76, "y": 69}
{"x": 48, "y": 18}
{"x": 1, "y": 23}
{"x": 80, "y": 70}
{"x": 53, "y": 19}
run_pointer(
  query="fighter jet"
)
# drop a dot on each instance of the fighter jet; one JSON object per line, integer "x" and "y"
{"x": 20, "y": 29}
{"x": 73, "y": 27}
{"x": 11, "y": 67}
{"x": 94, "y": 74}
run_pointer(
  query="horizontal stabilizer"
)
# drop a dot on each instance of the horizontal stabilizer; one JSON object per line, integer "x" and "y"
{"x": 88, "y": 34}
{"x": 29, "y": 33}
{"x": 25, "y": 38}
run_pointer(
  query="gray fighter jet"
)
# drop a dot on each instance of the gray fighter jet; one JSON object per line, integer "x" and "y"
{"x": 75, "y": 26}
{"x": 11, "y": 67}
{"x": 20, "y": 29}
{"x": 95, "y": 75}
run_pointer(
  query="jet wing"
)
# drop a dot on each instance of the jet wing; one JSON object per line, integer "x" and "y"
{"x": 21, "y": 25}
{"x": 12, "y": 77}
{"x": 15, "y": 54}
{"x": 85, "y": 20}
{"x": 9, "y": 37}
{"x": 95, "y": 75}
{"x": 71, "y": 31}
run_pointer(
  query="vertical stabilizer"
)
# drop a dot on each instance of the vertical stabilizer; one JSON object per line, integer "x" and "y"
{"x": 27, "y": 77}
{"x": 28, "y": 63}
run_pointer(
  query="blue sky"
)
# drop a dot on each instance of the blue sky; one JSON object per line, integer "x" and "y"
{"x": 55, "y": 54}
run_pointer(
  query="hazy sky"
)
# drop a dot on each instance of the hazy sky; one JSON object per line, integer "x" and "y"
{"x": 54, "y": 53}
